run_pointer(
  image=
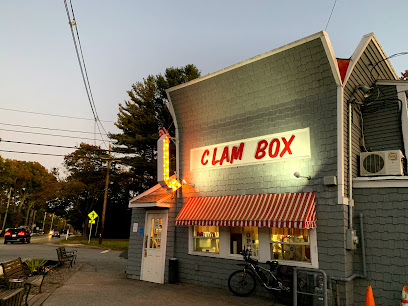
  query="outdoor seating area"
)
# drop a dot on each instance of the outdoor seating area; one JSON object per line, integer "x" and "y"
{"x": 17, "y": 282}
{"x": 22, "y": 281}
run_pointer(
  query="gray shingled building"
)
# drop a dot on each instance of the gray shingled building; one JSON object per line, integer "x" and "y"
{"x": 242, "y": 133}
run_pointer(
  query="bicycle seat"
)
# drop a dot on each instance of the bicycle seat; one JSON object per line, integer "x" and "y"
{"x": 273, "y": 264}
{"x": 252, "y": 260}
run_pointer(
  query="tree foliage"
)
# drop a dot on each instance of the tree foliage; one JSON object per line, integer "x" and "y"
{"x": 139, "y": 119}
{"x": 32, "y": 186}
{"x": 404, "y": 75}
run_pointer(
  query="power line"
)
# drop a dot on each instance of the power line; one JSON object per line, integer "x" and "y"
{"x": 45, "y": 134}
{"x": 34, "y": 153}
{"x": 330, "y": 14}
{"x": 57, "y": 146}
{"x": 383, "y": 60}
{"x": 44, "y": 128}
{"x": 52, "y": 115}
{"x": 38, "y": 144}
{"x": 83, "y": 70}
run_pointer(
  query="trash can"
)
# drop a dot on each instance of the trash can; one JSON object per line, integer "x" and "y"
{"x": 173, "y": 270}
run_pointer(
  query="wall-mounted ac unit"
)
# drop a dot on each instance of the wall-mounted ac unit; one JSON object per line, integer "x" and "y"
{"x": 381, "y": 163}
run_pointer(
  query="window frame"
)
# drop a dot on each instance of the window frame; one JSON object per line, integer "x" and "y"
{"x": 264, "y": 250}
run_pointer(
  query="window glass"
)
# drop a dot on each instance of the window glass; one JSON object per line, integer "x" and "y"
{"x": 290, "y": 244}
{"x": 244, "y": 237}
{"x": 206, "y": 239}
{"x": 155, "y": 233}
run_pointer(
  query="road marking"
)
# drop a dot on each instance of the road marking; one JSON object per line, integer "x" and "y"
{"x": 106, "y": 251}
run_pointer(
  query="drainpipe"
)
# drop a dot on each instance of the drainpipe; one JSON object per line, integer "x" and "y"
{"x": 356, "y": 275}
{"x": 350, "y": 164}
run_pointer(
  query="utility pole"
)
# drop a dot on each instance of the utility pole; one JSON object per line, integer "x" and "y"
{"x": 105, "y": 198}
{"x": 33, "y": 220}
{"x": 45, "y": 216}
{"x": 5, "y": 216}
{"x": 52, "y": 221}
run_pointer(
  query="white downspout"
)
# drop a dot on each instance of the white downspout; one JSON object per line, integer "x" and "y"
{"x": 350, "y": 164}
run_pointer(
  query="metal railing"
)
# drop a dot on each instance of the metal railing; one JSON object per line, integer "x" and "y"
{"x": 313, "y": 287}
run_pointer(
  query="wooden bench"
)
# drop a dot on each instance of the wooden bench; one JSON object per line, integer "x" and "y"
{"x": 11, "y": 297}
{"x": 66, "y": 256}
{"x": 14, "y": 270}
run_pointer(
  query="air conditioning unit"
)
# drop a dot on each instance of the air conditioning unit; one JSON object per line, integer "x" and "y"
{"x": 381, "y": 163}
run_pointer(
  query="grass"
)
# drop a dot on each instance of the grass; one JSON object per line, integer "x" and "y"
{"x": 114, "y": 244}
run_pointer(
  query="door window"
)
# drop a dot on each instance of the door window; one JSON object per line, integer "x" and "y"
{"x": 156, "y": 228}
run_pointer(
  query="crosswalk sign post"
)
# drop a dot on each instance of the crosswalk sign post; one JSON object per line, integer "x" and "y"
{"x": 92, "y": 216}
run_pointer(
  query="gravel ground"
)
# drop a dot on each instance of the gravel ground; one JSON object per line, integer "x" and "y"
{"x": 55, "y": 279}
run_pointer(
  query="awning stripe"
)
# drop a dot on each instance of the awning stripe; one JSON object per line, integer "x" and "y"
{"x": 290, "y": 210}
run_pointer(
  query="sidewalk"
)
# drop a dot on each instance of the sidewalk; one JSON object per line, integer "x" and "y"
{"x": 91, "y": 285}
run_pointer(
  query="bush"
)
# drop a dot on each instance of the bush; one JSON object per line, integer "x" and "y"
{"x": 36, "y": 265}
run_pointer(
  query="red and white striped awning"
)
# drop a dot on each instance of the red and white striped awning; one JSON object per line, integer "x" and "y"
{"x": 290, "y": 210}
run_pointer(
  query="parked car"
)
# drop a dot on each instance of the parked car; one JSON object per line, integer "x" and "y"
{"x": 55, "y": 234}
{"x": 19, "y": 234}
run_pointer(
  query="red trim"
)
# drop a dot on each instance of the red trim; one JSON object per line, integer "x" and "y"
{"x": 343, "y": 66}
{"x": 290, "y": 210}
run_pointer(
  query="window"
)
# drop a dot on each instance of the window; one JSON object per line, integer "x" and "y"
{"x": 206, "y": 239}
{"x": 293, "y": 247}
{"x": 290, "y": 244}
{"x": 155, "y": 233}
{"x": 244, "y": 237}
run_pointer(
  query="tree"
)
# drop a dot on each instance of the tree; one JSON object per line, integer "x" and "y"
{"x": 404, "y": 75}
{"x": 139, "y": 120}
{"x": 83, "y": 189}
{"x": 32, "y": 186}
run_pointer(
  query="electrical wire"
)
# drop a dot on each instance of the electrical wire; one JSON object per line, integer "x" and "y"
{"x": 45, "y": 134}
{"x": 37, "y": 144}
{"x": 44, "y": 128}
{"x": 376, "y": 64}
{"x": 58, "y": 146}
{"x": 34, "y": 153}
{"x": 330, "y": 14}
{"x": 82, "y": 66}
{"x": 56, "y": 155}
{"x": 52, "y": 115}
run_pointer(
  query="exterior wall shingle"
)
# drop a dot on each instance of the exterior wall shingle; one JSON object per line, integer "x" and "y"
{"x": 386, "y": 239}
{"x": 290, "y": 90}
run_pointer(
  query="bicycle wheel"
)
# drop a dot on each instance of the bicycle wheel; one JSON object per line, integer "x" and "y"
{"x": 242, "y": 283}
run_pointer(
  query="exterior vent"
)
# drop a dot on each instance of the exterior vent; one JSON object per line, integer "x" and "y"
{"x": 381, "y": 163}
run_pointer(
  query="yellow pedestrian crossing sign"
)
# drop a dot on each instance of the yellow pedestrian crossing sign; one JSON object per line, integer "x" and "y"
{"x": 92, "y": 221}
{"x": 93, "y": 215}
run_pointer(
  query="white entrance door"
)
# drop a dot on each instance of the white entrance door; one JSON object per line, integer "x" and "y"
{"x": 154, "y": 248}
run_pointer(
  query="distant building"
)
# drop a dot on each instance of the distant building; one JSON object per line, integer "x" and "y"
{"x": 243, "y": 132}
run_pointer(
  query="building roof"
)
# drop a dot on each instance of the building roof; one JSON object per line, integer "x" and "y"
{"x": 157, "y": 196}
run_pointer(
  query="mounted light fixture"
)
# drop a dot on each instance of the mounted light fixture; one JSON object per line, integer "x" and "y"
{"x": 297, "y": 175}
{"x": 366, "y": 90}
{"x": 184, "y": 183}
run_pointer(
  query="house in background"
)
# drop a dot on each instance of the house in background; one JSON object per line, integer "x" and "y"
{"x": 242, "y": 133}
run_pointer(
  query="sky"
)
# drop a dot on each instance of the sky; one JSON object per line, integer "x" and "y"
{"x": 124, "y": 41}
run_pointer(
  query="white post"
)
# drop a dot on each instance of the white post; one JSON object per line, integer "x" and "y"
{"x": 90, "y": 231}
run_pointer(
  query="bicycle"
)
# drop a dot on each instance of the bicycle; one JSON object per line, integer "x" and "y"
{"x": 243, "y": 282}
